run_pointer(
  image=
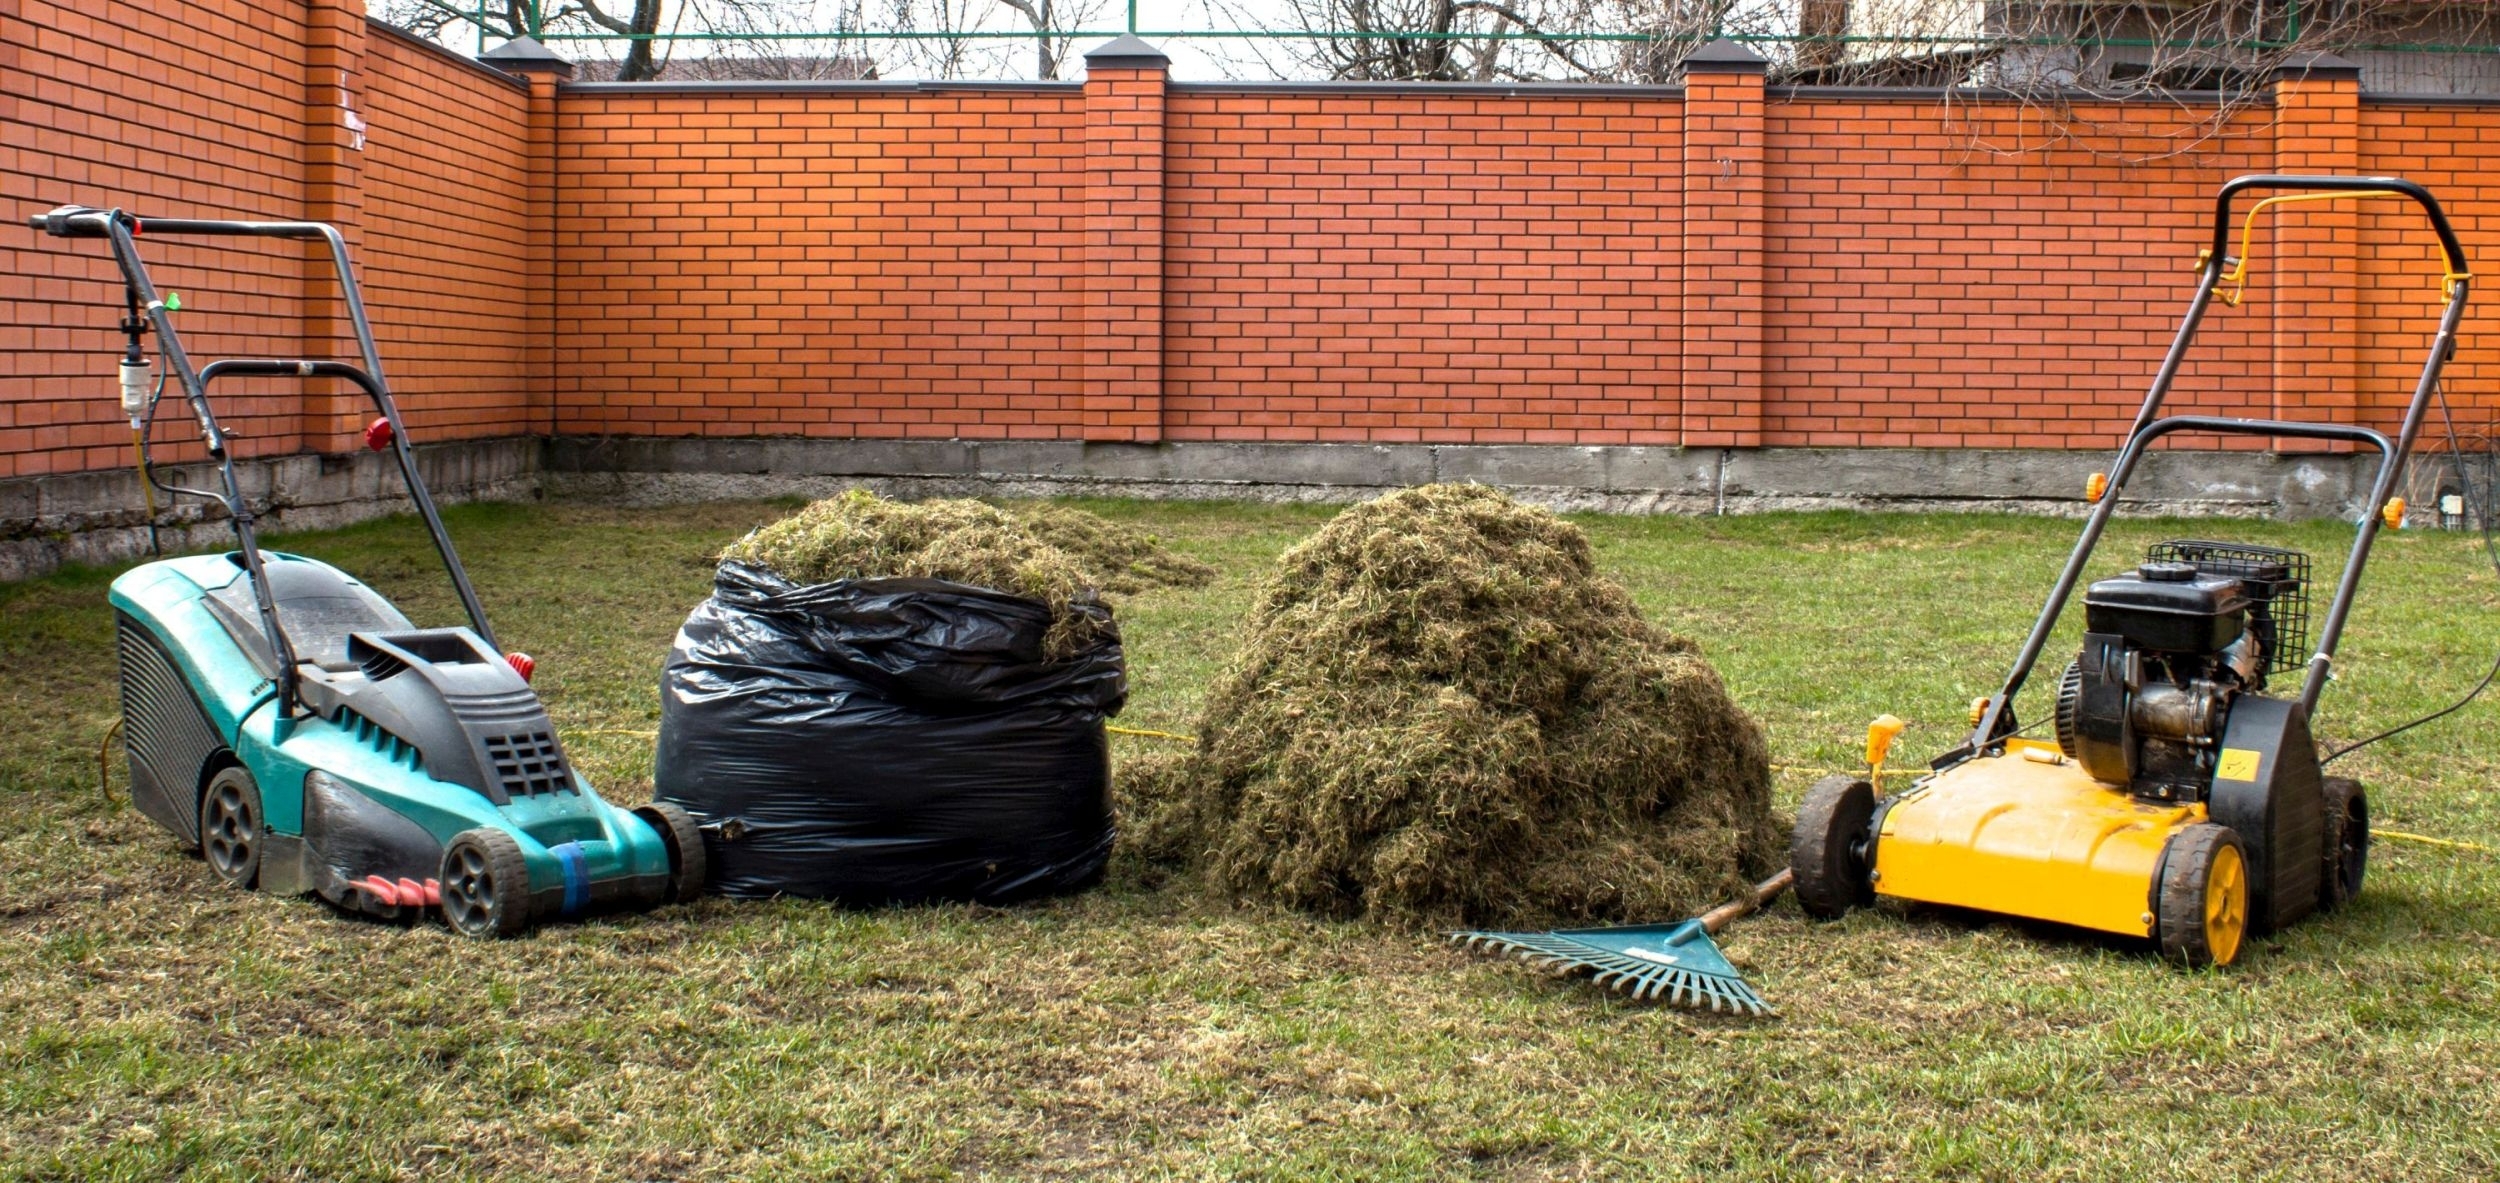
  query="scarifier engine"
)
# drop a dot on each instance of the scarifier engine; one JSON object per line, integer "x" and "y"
{"x": 2165, "y": 701}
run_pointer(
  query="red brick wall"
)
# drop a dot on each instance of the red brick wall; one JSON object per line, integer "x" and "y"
{"x": 1128, "y": 260}
{"x": 2455, "y": 151}
{"x": 847, "y": 263}
{"x": 446, "y": 244}
{"x": 1404, "y": 267}
{"x": 1395, "y": 265}
{"x": 183, "y": 110}
{"x": 223, "y": 109}
{"x": 1928, "y": 290}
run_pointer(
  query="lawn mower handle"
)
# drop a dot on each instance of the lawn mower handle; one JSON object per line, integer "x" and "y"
{"x": 2448, "y": 244}
{"x": 82, "y": 221}
{"x": 1996, "y": 718}
{"x": 2390, "y": 460}
{"x": 73, "y": 221}
{"x": 122, "y": 230}
{"x": 277, "y": 368}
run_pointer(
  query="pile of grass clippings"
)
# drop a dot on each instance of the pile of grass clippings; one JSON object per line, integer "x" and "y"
{"x": 1058, "y": 556}
{"x": 1122, "y": 560}
{"x": 1442, "y": 712}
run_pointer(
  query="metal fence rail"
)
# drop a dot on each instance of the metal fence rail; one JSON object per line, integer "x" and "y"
{"x": 1971, "y": 53}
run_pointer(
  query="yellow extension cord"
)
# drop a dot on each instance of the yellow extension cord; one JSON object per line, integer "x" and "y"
{"x": 103, "y": 779}
{"x": 1173, "y": 735}
{"x": 2427, "y": 840}
{"x": 1880, "y": 773}
{"x": 2398, "y": 835}
{"x": 1177, "y": 737}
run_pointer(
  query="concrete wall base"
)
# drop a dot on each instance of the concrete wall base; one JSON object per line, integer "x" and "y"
{"x": 101, "y": 517}
{"x": 1638, "y": 480}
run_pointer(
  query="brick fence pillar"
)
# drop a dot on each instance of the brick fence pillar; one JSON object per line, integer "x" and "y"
{"x": 544, "y": 72}
{"x": 1723, "y": 218}
{"x": 1123, "y": 308}
{"x": 334, "y": 56}
{"x": 2315, "y": 285}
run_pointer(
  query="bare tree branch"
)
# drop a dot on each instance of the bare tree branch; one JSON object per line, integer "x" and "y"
{"x": 2215, "y": 57}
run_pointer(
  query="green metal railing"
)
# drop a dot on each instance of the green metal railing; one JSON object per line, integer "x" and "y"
{"x": 2255, "y": 46}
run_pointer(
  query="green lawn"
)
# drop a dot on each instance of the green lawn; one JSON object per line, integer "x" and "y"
{"x": 156, "y": 1026}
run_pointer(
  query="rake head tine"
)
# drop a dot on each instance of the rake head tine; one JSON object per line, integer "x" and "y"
{"x": 1675, "y": 965}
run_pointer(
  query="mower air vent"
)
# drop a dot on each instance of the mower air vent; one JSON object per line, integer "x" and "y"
{"x": 381, "y": 665}
{"x": 169, "y": 739}
{"x": 371, "y": 734}
{"x": 528, "y": 763}
{"x": 2277, "y": 582}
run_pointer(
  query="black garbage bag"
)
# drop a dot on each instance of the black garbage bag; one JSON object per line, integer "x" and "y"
{"x": 888, "y": 740}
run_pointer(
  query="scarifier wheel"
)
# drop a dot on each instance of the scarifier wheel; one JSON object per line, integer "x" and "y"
{"x": 2347, "y": 842}
{"x": 2204, "y": 896}
{"x": 1831, "y": 848}
{"x": 230, "y": 827}
{"x": 2069, "y": 706}
{"x": 687, "y": 864}
{"x": 486, "y": 885}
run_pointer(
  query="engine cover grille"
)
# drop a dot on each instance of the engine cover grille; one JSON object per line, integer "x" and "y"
{"x": 166, "y": 734}
{"x": 528, "y": 763}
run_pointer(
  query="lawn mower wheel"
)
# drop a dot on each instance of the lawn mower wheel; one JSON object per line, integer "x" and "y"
{"x": 687, "y": 865}
{"x": 486, "y": 885}
{"x": 230, "y": 827}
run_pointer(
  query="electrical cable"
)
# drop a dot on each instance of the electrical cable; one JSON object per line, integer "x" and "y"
{"x": 2427, "y": 840}
{"x": 104, "y": 764}
{"x": 147, "y": 490}
{"x": 139, "y": 433}
{"x": 2491, "y": 548}
{"x": 147, "y": 433}
{"x": 142, "y": 412}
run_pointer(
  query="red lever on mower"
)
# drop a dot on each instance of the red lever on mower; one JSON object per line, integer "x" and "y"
{"x": 522, "y": 664}
{"x": 378, "y": 433}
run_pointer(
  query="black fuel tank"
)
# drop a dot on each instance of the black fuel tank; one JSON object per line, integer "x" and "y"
{"x": 2169, "y": 608}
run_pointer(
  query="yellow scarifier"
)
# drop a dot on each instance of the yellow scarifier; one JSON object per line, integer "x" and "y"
{"x": 2180, "y": 801}
{"x": 2029, "y": 833}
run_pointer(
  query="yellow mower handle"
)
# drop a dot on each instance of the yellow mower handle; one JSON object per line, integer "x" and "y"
{"x": 2319, "y": 189}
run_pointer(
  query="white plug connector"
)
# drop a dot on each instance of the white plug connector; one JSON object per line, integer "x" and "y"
{"x": 136, "y": 386}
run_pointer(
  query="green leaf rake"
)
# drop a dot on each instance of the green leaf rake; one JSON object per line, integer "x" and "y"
{"x": 1677, "y": 964}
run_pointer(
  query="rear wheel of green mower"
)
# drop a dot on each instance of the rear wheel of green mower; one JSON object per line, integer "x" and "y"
{"x": 2204, "y": 896}
{"x": 486, "y": 885}
{"x": 687, "y": 864}
{"x": 2347, "y": 842}
{"x": 230, "y": 827}
{"x": 1831, "y": 850}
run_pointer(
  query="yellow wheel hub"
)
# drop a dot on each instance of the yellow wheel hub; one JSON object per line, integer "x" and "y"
{"x": 2226, "y": 904}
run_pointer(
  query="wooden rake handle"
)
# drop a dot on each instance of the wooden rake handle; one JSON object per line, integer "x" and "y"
{"x": 1760, "y": 897}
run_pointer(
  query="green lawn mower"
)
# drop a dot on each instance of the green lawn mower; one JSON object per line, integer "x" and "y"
{"x": 296, "y": 728}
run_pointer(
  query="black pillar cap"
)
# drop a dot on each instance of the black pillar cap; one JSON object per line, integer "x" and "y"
{"x": 1724, "y": 56}
{"x": 1128, "y": 51}
{"x": 524, "y": 55}
{"x": 2321, "y": 66}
